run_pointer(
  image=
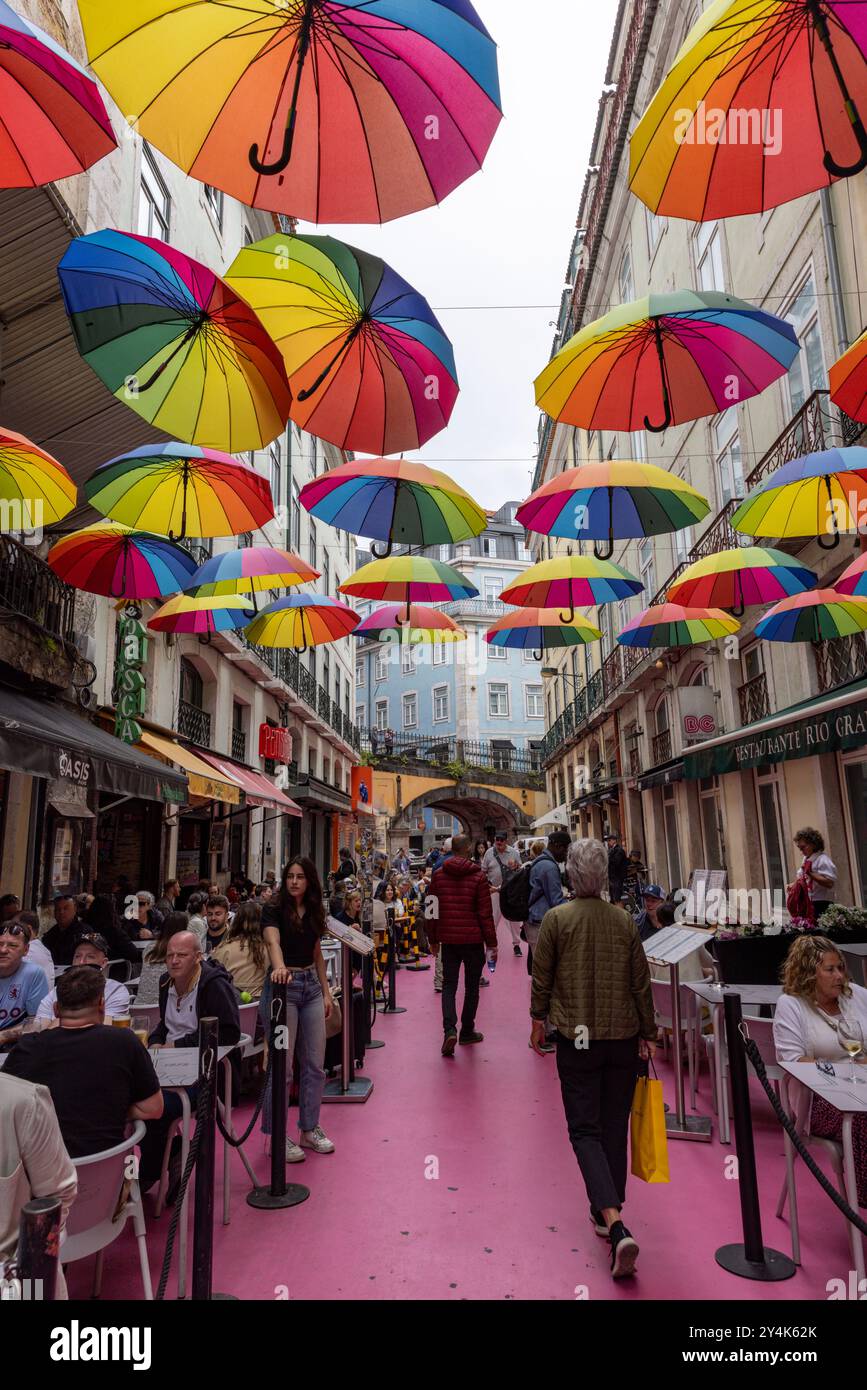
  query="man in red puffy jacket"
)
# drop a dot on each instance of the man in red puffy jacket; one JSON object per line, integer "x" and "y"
{"x": 459, "y": 919}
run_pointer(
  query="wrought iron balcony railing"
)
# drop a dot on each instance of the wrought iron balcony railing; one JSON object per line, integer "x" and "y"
{"x": 754, "y": 699}
{"x": 818, "y": 425}
{"x": 239, "y": 745}
{"x": 194, "y": 724}
{"x": 30, "y": 588}
{"x": 841, "y": 661}
{"x": 440, "y": 750}
{"x": 662, "y": 747}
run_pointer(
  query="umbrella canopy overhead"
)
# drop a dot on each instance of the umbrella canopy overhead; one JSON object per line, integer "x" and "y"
{"x": 672, "y": 625}
{"x": 618, "y": 499}
{"x": 202, "y": 615}
{"x": 121, "y": 563}
{"x": 396, "y": 501}
{"x": 737, "y": 578}
{"x": 664, "y": 360}
{"x": 848, "y": 380}
{"x": 853, "y": 581}
{"x": 254, "y": 569}
{"x": 172, "y": 341}
{"x": 536, "y": 629}
{"x": 766, "y": 101}
{"x": 179, "y": 490}
{"x": 54, "y": 120}
{"x": 409, "y": 577}
{"x": 820, "y": 616}
{"x": 820, "y": 495}
{"x": 571, "y": 581}
{"x": 424, "y": 624}
{"x": 35, "y": 490}
{"x": 327, "y": 110}
{"x": 370, "y": 367}
{"x": 302, "y": 621}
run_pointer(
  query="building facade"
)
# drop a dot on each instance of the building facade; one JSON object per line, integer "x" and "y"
{"x": 702, "y": 758}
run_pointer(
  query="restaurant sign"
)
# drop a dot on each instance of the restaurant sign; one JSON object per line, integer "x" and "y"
{"x": 275, "y": 744}
{"x": 830, "y": 732}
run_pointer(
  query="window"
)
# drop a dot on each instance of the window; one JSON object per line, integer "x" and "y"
{"x": 347, "y": 539}
{"x": 314, "y": 455}
{"x": 360, "y": 717}
{"x": 534, "y": 704}
{"x": 807, "y": 372}
{"x": 275, "y": 461}
{"x": 445, "y": 554}
{"x": 326, "y": 672}
{"x": 382, "y": 657}
{"x": 708, "y": 257}
{"x": 410, "y": 710}
{"x": 489, "y": 547}
{"x": 382, "y": 714}
{"x": 440, "y": 654}
{"x": 529, "y": 654}
{"x": 493, "y": 589}
{"x": 496, "y": 653}
{"x": 346, "y": 695}
{"x": 729, "y": 464}
{"x": 498, "y": 701}
{"x": 326, "y": 573}
{"x": 771, "y": 824}
{"x": 192, "y": 687}
{"x": 655, "y": 228}
{"x": 214, "y": 200}
{"x": 606, "y": 626}
{"x": 313, "y": 546}
{"x": 155, "y": 205}
{"x": 625, "y": 282}
{"x": 711, "y": 827}
{"x": 295, "y": 519}
{"x": 441, "y": 704}
{"x": 360, "y": 673}
{"x": 646, "y": 569}
{"x": 442, "y": 821}
{"x": 407, "y": 659}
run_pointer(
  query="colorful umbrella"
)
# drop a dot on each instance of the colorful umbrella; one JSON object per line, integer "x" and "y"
{"x": 853, "y": 581}
{"x": 820, "y": 616}
{"x": 424, "y": 625}
{"x": 252, "y": 570}
{"x": 204, "y": 616}
{"x": 535, "y": 629}
{"x": 681, "y": 355}
{"x": 765, "y": 102}
{"x": 173, "y": 342}
{"x": 735, "y": 578}
{"x": 811, "y": 496}
{"x": 328, "y": 110}
{"x": 671, "y": 625}
{"x": 848, "y": 380}
{"x": 179, "y": 490}
{"x": 408, "y": 579}
{"x": 35, "y": 490}
{"x": 395, "y": 501}
{"x": 581, "y": 581}
{"x": 622, "y": 499}
{"x": 121, "y": 563}
{"x": 369, "y": 365}
{"x": 302, "y": 621}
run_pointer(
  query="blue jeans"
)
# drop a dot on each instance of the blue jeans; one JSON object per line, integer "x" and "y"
{"x": 304, "y": 1022}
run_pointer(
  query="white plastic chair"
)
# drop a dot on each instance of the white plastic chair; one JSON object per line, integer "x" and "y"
{"x": 249, "y": 1014}
{"x": 92, "y": 1224}
{"x": 690, "y": 1024}
{"x": 124, "y": 979}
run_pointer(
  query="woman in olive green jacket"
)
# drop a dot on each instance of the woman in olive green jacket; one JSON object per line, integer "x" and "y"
{"x": 591, "y": 980}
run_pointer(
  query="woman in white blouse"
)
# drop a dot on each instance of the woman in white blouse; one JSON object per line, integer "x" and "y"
{"x": 818, "y": 870}
{"x": 817, "y": 998}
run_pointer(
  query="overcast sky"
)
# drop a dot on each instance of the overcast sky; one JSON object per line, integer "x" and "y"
{"x": 504, "y": 236}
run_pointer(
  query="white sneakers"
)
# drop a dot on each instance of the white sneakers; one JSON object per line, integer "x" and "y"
{"x": 313, "y": 1139}
{"x": 293, "y": 1153}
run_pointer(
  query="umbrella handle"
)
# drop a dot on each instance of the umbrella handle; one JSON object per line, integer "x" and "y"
{"x": 279, "y": 164}
{"x": 383, "y": 554}
{"x": 538, "y": 655}
{"x": 667, "y": 422}
{"x": 845, "y": 171}
{"x": 666, "y": 399}
{"x": 569, "y": 617}
{"x": 282, "y": 161}
{"x": 841, "y": 171}
{"x": 836, "y": 541}
{"x": 121, "y": 592}
{"x": 326, "y": 372}
{"x": 605, "y": 552}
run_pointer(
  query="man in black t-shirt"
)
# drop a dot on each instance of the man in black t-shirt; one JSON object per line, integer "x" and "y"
{"x": 100, "y": 1078}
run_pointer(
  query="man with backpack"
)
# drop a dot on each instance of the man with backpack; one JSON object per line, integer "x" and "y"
{"x": 499, "y": 864}
{"x": 545, "y": 890}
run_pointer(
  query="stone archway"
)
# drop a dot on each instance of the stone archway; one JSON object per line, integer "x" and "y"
{"x": 480, "y": 810}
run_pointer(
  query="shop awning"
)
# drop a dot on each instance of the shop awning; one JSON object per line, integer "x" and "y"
{"x": 44, "y": 738}
{"x": 558, "y": 817}
{"x": 824, "y": 724}
{"x": 662, "y": 776}
{"x": 310, "y": 791}
{"x": 257, "y": 789}
{"x": 200, "y": 776}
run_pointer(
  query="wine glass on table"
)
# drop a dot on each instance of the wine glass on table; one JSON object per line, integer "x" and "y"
{"x": 851, "y": 1037}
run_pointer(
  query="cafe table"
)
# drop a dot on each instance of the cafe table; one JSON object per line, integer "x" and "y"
{"x": 850, "y": 1100}
{"x": 714, "y": 996}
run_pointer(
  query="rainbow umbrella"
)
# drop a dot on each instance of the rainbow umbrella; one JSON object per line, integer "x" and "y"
{"x": 820, "y": 616}
{"x": 848, "y": 380}
{"x": 676, "y": 355}
{"x": 370, "y": 367}
{"x": 671, "y": 625}
{"x": 407, "y": 579}
{"x": 424, "y": 625}
{"x": 54, "y": 120}
{"x": 328, "y": 110}
{"x": 180, "y": 489}
{"x": 617, "y": 498}
{"x": 302, "y": 621}
{"x": 735, "y": 578}
{"x": 811, "y": 496}
{"x": 765, "y": 102}
{"x": 173, "y": 341}
{"x": 395, "y": 501}
{"x": 204, "y": 616}
{"x": 853, "y": 581}
{"x": 251, "y": 570}
{"x": 581, "y": 581}
{"x": 535, "y": 629}
{"x": 121, "y": 563}
{"x": 35, "y": 489}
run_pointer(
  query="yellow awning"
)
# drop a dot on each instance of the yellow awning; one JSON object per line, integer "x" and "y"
{"x": 200, "y": 776}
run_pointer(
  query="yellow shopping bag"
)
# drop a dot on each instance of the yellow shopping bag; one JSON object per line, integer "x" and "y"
{"x": 649, "y": 1142}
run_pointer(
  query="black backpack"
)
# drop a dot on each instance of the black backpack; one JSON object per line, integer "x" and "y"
{"x": 515, "y": 894}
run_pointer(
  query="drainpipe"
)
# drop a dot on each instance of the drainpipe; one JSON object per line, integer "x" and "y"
{"x": 829, "y": 229}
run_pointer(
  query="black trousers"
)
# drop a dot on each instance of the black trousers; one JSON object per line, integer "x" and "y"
{"x": 473, "y": 959}
{"x": 597, "y": 1083}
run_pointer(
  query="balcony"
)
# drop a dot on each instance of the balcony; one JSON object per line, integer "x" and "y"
{"x": 239, "y": 745}
{"x": 197, "y": 550}
{"x": 30, "y": 589}
{"x": 818, "y": 425}
{"x": 440, "y": 750}
{"x": 661, "y": 746}
{"x": 194, "y": 724}
{"x": 482, "y": 608}
{"x": 754, "y": 700}
{"x": 841, "y": 661}
{"x": 634, "y": 762}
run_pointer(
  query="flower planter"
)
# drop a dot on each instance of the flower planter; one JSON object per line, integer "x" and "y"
{"x": 758, "y": 960}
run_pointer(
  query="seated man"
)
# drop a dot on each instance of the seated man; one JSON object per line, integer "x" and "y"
{"x": 91, "y": 950}
{"x": 99, "y": 1077}
{"x": 23, "y": 985}
{"x": 33, "y": 1161}
{"x": 37, "y": 952}
{"x": 62, "y": 939}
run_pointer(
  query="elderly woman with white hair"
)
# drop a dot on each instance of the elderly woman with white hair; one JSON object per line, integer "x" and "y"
{"x": 591, "y": 981}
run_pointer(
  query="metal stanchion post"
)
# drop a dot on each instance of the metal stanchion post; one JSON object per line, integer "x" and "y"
{"x": 350, "y": 1087}
{"x": 280, "y": 1193}
{"x": 391, "y": 1007}
{"x": 367, "y": 984}
{"x": 752, "y": 1260}
{"x": 38, "y": 1246}
{"x": 203, "y": 1201}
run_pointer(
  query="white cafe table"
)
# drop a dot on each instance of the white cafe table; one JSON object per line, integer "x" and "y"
{"x": 714, "y": 996}
{"x": 850, "y": 1100}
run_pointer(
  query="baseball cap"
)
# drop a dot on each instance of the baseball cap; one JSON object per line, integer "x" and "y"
{"x": 95, "y": 939}
{"x": 653, "y": 890}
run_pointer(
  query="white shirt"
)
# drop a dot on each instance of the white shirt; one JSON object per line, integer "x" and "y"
{"x": 824, "y": 865}
{"x": 181, "y": 1016}
{"x": 116, "y": 1001}
{"x": 801, "y": 1031}
{"x": 492, "y": 864}
{"x": 41, "y": 956}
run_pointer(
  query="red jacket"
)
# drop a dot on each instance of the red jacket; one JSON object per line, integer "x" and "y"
{"x": 463, "y": 915}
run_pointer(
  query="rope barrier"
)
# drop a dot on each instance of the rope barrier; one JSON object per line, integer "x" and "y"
{"x": 201, "y": 1110}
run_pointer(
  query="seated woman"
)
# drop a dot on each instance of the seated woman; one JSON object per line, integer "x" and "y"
{"x": 818, "y": 1002}
{"x": 154, "y": 964}
{"x": 243, "y": 952}
{"x": 390, "y": 899}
